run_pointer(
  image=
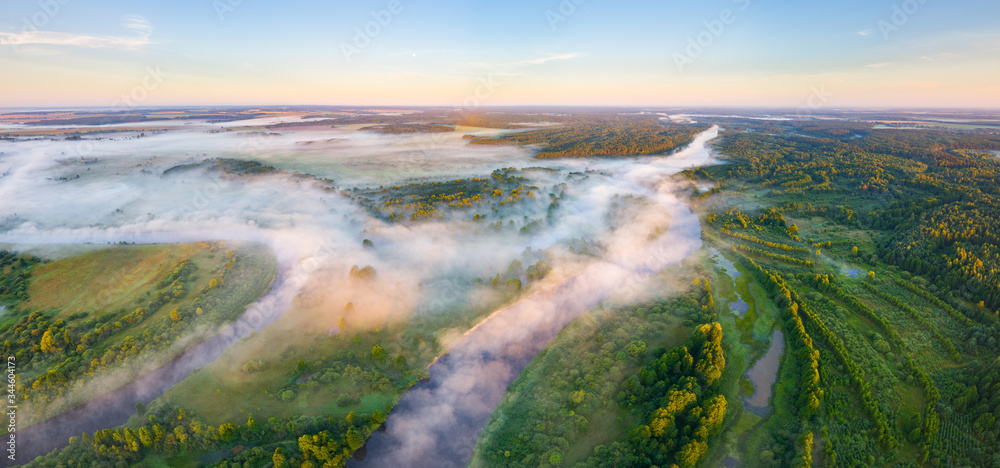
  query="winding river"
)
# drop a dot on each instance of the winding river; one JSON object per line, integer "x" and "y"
{"x": 438, "y": 422}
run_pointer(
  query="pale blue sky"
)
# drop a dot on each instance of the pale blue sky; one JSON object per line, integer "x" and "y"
{"x": 777, "y": 53}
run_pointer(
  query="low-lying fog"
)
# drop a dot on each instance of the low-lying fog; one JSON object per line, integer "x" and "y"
{"x": 114, "y": 189}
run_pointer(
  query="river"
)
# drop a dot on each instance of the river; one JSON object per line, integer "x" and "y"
{"x": 443, "y": 416}
{"x": 437, "y": 423}
{"x": 114, "y": 408}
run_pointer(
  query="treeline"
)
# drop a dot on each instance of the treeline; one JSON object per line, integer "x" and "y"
{"x": 954, "y": 314}
{"x": 680, "y": 403}
{"x": 580, "y": 379}
{"x": 166, "y": 431}
{"x": 774, "y": 256}
{"x": 936, "y": 198}
{"x": 773, "y": 245}
{"x": 926, "y": 324}
{"x": 931, "y": 393}
{"x": 600, "y": 135}
{"x": 485, "y": 196}
{"x": 784, "y": 298}
{"x": 409, "y": 128}
{"x": 14, "y": 274}
{"x": 59, "y": 353}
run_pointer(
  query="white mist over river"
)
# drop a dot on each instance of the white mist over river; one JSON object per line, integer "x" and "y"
{"x": 116, "y": 190}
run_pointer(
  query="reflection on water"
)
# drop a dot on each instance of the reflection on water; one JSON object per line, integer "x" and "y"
{"x": 740, "y": 306}
{"x": 763, "y": 375}
{"x": 852, "y": 272}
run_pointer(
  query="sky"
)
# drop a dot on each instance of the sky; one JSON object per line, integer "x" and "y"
{"x": 778, "y": 53}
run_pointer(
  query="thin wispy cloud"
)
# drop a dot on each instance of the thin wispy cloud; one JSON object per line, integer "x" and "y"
{"x": 530, "y": 62}
{"x": 138, "y": 24}
{"x": 141, "y": 28}
{"x": 864, "y": 32}
{"x": 73, "y": 40}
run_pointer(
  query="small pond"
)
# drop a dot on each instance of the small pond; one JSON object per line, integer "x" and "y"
{"x": 763, "y": 375}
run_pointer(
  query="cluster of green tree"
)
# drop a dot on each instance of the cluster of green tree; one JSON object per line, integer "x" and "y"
{"x": 918, "y": 317}
{"x": 928, "y": 200}
{"x": 679, "y": 403}
{"x": 58, "y": 353}
{"x": 774, "y": 256}
{"x": 957, "y": 246}
{"x": 372, "y": 371}
{"x": 580, "y": 379}
{"x": 516, "y": 277}
{"x": 931, "y": 393}
{"x": 93, "y": 120}
{"x": 954, "y": 314}
{"x": 984, "y": 340}
{"x": 228, "y": 165}
{"x": 432, "y": 200}
{"x": 970, "y": 409}
{"x": 166, "y": 432}
{"x": 600, "y": 135}
{"x": 830, "y": 244}
{"x": 410, "y": 128}
{"x": 14, "y": 274}
{"x": 773, "y": 245}
{"x": 937, "y": 196}
{"x": 770, "y": 220}
{"x": 514, "y": 120}
{"x": 784, "y": 297}
{"x": 365, "y": 273}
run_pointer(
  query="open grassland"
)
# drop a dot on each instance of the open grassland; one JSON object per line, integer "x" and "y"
{"x": 106, "y": 314}
{"x": 107, "y": 280}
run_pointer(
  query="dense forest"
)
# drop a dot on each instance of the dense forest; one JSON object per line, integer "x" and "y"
{"x": 600, "y": 135}
{"x": 904, "y": 338}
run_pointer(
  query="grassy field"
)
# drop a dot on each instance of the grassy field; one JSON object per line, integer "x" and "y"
{"x": 106, "y": 280}
{"x": 105, "y": 314}
{"x": 336, "y": 360}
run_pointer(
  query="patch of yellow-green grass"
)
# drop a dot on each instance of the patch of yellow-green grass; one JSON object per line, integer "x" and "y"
{"x": 614, "y": 423}
{"x": 223, "y": 392}
{"x": 104, "y": 281}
